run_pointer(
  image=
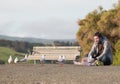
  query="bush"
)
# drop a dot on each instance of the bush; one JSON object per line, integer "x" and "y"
{"x": 2, "y": 62}
{"x": 117, "y": 54}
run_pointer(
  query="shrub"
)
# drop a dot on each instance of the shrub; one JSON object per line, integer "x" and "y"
{"x": 2, "y": 62}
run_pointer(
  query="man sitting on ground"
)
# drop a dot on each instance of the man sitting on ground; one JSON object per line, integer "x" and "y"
{"x": 101, "y": 51}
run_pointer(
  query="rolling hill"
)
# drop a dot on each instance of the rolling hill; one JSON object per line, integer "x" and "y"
{"x": 34, "y": 40}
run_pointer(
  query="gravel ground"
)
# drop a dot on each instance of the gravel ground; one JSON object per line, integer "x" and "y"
{"x": 54, "y": 74}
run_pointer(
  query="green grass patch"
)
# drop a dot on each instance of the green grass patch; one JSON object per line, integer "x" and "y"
{"x": 5, "y": 52}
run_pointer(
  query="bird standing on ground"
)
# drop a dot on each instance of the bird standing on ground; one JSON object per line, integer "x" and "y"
{"x": 42, "y": 60}
{"x": 16, "y": 60}
{"x": 10, "y": 60}
{"x": 24, "y": 59}
{"x": 61, "y": 60}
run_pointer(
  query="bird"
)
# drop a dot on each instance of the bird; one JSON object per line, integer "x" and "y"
{"x": 42, "y": 60}
{"x": 16, "y": 60}
{"x": 24, "y": 59}
{"x": 61, "y": 59}
{"x": 10, "y": 59}
{"x": 77, "y": 63}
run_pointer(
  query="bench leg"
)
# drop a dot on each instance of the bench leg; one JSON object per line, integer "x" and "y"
{"x": 34, "y": 61}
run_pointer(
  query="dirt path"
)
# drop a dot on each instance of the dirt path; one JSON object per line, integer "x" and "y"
{"x": 54, "y": 74}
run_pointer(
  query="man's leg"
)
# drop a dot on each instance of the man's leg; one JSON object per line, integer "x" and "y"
{"x": 105, "y": 60}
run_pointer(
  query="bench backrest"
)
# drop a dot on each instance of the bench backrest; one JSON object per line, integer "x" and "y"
{"x": 52, "y": 53}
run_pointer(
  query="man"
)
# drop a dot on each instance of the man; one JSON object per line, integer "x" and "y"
{"x": 101, "y": 50}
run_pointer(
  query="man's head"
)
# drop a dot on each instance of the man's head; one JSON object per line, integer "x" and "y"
{"x": 97, "y": 37}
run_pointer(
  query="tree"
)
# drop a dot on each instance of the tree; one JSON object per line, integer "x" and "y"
{"x": 105, "y": 21}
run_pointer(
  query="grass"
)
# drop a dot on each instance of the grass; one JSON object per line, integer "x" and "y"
{"x": 5, "y": 52}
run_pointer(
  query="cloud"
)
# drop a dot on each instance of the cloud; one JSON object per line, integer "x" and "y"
{"x": 52, "y": 28}
{"x": 45, "y": 18}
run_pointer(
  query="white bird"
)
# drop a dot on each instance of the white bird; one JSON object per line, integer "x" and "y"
{"x": 24, "y": 59}
{"x": 10, "y": 59}
{"x": 61, "y": 60}
{"x": 77, "y": 63}
{"x": 42, "y": 60}
{"x": 16, "y": 60}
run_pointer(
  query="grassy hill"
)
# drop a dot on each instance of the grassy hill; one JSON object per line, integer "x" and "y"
{"x": 6, "y": 52}
{"x": 35, "y": 40}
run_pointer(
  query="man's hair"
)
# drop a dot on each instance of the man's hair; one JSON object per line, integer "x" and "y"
{"x": 98, "y": 34}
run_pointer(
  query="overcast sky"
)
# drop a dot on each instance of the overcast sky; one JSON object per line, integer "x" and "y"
{"x": 47, "y": 19}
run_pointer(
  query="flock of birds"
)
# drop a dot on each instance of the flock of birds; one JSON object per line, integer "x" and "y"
{"x": 61, "y": 59}
{"x": 16, "y": 60}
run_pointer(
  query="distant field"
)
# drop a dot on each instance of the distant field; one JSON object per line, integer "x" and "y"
{"x": 6, "y": 52}
{"x": 54, "y": 74}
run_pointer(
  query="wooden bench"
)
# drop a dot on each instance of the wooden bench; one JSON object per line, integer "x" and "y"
{"x": 52, "y": 53}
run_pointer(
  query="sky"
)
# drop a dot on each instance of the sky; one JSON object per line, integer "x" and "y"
{"x": 46, "y": 19}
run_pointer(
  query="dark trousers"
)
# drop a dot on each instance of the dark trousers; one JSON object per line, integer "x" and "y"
{"x": 106, "y": 60}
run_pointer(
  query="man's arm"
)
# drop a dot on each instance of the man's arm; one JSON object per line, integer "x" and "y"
{"x": 106, "y": 47}
{"x": 92, "y": 50}
{"x": 91, "y": 53}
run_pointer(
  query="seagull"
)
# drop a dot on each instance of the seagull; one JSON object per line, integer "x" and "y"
{"x": 16, "y": 60}
{"x": 42, "y": 60}
{"x": 24, "y": 59}
{"x": 77, "y": 63}
{"x": 10, "y": 59}
{"x": 61, "y": 60}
